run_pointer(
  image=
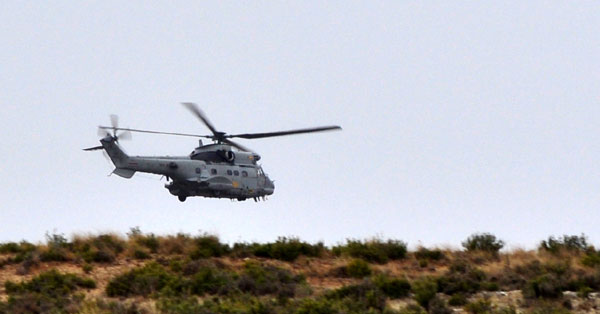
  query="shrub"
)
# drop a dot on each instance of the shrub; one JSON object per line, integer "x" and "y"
{"x": 10, "y": 247}
{"x": 481, "y": 306}
{"x": 103, "y": 248}
{"x": 425, "y": 254}
{"x": 461, "y": 277}
{"x": 319, "y": 306}
{"x": 178, "y": 244}
{"x": 87, "y": 268}
{"x": 358, "y": 268}
{"x": 569, "y": 243}
{"x": 412, "y": 309}
{"x": 584, "y": 292}
{"x": 545, "y": 286}
{"x": 141, "y": 281}
{"x": 438, "y": 306}
{"x": 140, "y": 253}
{"x": 210, "y": 280}
{"x": 48, "y": 291}
{"x": 591, "y": 258}
{"x": 54, "y": 254}
{"x": 425, "y": 290}
{"x": 180, "y": 305}
{"x": 374, "y": 250}
{"x": 285, "y": 249}
{"x": 458, "y": 299}
{"x": 27, "y": 260}
{"x": 363, "y": 296}
{"x": 393, "y": 287}
{"x": 484, "y": 242}
{"x": 149, "y": 241}
{"x": 208, "y": 246}
{"x": 57, "y": 250}
{"x": 238, "y": 304}
{"x": 259, "y": 279}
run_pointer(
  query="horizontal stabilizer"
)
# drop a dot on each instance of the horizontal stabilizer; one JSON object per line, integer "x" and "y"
{"x": 93, "y": 148}
{"x": 124, "y": 173}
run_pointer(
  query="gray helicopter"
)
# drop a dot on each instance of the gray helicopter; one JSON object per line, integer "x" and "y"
{"x": 224, "y": 169}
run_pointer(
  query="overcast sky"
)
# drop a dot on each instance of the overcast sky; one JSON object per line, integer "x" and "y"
{"x": 458, "y": 116}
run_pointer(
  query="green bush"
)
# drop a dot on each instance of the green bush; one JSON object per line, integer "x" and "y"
{"x": 87, "y": 268}
{"x": 358, "y": 268}
{"x": 209, "y": 280}
{"x": 259, "y": 279}
{"x": 14, "y": 248}
{"x": 318, "y": 306}
{"x": 412, "y": 309}
{"x": 424, "y": 291}
{"x": 238, "y": 304}
{"x": 569, "y": 243}
{"x": 545, "y": 286}
{"x": 591, "y": 258}
{"x": 426, "y": 254}
{"x": 149, "y": 241}
{"x": 141, "y": 253}
{"x": 438, "y": 306}
{"x": 393, "y": 287}
{"x": 54, "y": 255}
{"x": 208, "y": 246}
{"x": 484, "y": 242}
{"x": 374, "y": 250}
{"x": 285, "y": 249}
{"x": 103, "y": 248}
{"x": 363, "y": 296}
{"x": 142, "y": 281}
{"x": 49, "y": 292}
{"x": 457, "y": 299}
{"x": 57, "y": 250}
{"x": 481, "y": 306}
{"x": 51, "y": 283}
{"x": 462, "y": 277}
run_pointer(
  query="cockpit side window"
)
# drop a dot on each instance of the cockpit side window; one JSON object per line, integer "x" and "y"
{"x": 229, "y": 172}
{"x": 213, "y": 171}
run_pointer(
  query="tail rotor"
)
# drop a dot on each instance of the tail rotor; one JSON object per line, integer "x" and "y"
{"x": 104, "y": 131}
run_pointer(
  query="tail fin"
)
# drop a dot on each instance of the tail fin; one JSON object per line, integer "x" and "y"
{"x": 116, "y": 154}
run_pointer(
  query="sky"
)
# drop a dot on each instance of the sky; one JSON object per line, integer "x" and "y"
{"x": 458, "y": 116}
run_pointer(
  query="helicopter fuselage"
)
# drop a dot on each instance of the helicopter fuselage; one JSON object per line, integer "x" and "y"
{"x": 235, "y": 175}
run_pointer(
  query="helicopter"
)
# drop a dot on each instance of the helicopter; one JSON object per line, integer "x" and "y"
{"x": 223, "y": 169}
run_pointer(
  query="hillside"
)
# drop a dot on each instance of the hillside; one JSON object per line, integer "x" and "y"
{"x": 146, "y": 273}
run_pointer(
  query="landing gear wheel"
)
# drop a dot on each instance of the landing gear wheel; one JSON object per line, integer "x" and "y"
{"x": 182, "y": 198}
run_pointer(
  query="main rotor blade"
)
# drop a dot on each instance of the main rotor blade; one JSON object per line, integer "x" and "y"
{"x": 114, "y": 120}
{"x": 194, "y": 109}
{"x": 154, "y": 132}
{"x": 238, "y": 146}
{"x": 282, "y": 133}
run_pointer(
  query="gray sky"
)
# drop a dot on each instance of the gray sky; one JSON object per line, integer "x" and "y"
{"x": 458, "y": 116}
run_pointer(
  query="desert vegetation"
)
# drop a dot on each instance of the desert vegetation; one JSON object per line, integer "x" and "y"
{"x": 182, "y": 273}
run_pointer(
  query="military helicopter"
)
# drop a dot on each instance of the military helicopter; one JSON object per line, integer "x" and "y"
{"x": 223, "y": 169}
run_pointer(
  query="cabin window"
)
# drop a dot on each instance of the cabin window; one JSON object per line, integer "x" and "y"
{"x": 229, "y": 172}
{"x": 213, "y": 171}
{"x": 244, "y": 173}
{"x": 236, "y": 173}
{"x": 198, "y": 170}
